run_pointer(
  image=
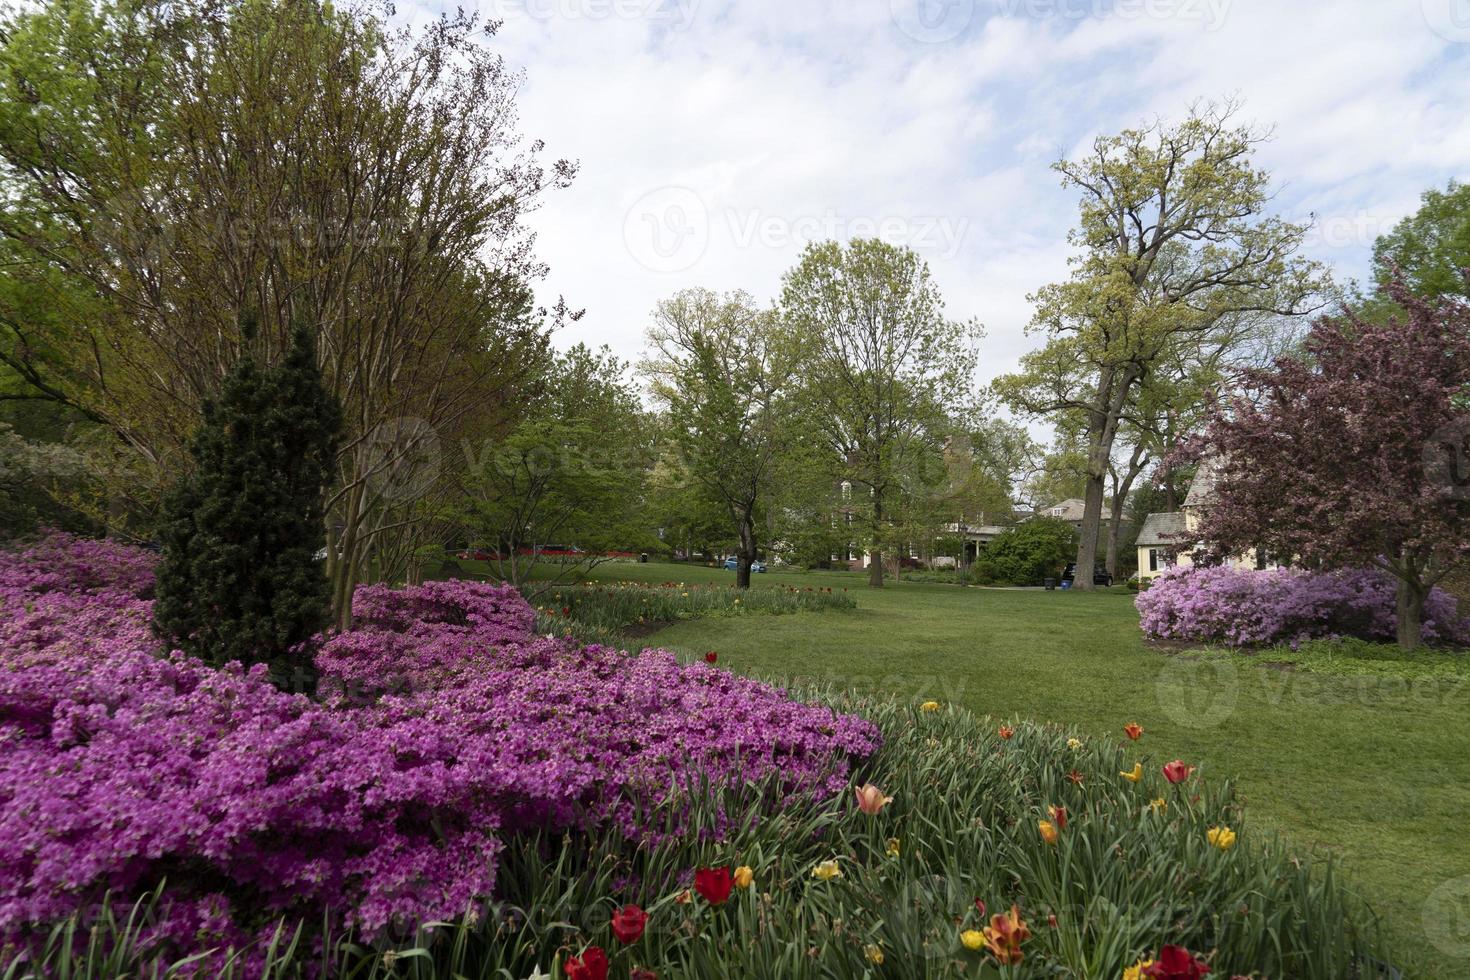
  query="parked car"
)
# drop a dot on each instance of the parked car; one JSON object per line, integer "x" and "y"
{"x": 1100, "y": 575}
{"x": 731, "y": 564}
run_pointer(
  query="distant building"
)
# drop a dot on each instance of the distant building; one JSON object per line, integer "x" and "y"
{"x": 1170, "y": 538}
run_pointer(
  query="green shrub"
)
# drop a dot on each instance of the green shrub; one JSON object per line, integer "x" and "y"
{"x": 1032, "y": 551}
{"x": 984, "y": 572}
{"x": 240, "y": 578}
{"x": 1123, "y": 879}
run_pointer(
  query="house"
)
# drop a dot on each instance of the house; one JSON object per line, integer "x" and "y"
{"x": 1170, "y": 538}
{"x": 1069, "y": 510}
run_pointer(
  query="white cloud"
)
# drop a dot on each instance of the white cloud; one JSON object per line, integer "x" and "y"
{"x": 782, "y": 119}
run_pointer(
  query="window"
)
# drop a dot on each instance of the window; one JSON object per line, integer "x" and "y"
{"x": 1153, "y": 559}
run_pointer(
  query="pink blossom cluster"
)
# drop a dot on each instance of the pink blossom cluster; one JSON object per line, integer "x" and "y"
{"x": 124, "y": 766}
{"x": 1243, "y": 607}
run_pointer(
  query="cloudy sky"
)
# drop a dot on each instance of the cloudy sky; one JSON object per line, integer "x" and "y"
{"x": 716, "y": 138}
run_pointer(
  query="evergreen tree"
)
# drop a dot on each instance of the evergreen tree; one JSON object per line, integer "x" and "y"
{"x": 240, "y": 578}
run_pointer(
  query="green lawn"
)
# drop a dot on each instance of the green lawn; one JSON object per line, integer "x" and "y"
{"x": 1373, "y": 769}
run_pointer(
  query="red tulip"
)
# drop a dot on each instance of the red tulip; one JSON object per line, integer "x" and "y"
{"x": 714, "y": 884}
{"x": 591, "y": 965}
{"x": 711, "y": 657}
{"x": 1177, "y": 771}
{"x": 980, "y": 907}
{"x": 1177, "y": 963}
{"x": 642, "y": 973}
{"x": 628, "y": 923}
{"x": 1058, "y": 816}
{"x": 1076, "y": 777}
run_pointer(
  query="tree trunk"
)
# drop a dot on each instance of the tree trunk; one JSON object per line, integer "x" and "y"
{"x": 1410, "y": 614}
{"x": 747, "y": 550}
{"x": 1102, "y": 429}
{"x": 1087, "y": 545}
{"x": 1136, "y": 462}
{"x": 875, "y": 569}
{"x": 1115, "y": 516}
{"x": 345, "y": 571}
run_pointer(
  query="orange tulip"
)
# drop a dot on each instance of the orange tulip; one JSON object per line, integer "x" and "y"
{"x": 1133, "y": 730}
{"x": 1005, "y": 731}
{"x": 870, "y": 799}
{"x": 1048, "y": 831}
{"x": 1004, "y": 935}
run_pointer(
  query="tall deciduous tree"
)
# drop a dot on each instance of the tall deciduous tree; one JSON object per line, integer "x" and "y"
{"x": 177, "y": 163}
{"x": 720, "y": 368}
{"x": 1430, "y": 249}
{"x": 241, "y": 578}
{"x": 1354, "y": 454}
{"x": 1176, "y": 252}
{"x": 881, "y": 364}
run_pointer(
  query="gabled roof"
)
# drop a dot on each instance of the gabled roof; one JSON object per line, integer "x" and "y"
{"x": 1071, "y": 509}
{"x": 1202, "y": 488}
{"x": 1161, "y": 530}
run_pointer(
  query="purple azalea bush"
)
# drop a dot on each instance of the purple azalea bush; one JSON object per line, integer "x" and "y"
{"x": 446, "y": 726}
{"x": 1244, "y": 607}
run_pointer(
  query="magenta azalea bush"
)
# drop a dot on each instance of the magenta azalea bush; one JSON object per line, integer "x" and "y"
{"x": 1243, "y": 607}
{"x": 446, "y": 727}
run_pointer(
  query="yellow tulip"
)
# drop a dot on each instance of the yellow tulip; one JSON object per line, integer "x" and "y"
{"x": 874, "y": 954}
{"x": 826, "y": 871}
{"x": 892, "y": 847}
{"x": 1159, "y": 805}
{"x": 973, "y": 939}
{"x": 1074, "y": 744}
{"x": 1135, "y": 774}
{"x": 744, "y": 875}
{"x": 929, "y": 706}
{"x": 1135, "y": 972}
{"x": 1221, "y": 837}
{"x": 1048, "y": 831}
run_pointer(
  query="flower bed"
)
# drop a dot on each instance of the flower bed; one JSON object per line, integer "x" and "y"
{"x": 124, "y": 767}
{"x": 1240, "y": 607}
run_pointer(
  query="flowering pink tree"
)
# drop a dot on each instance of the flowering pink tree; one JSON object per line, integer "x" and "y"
{"x": 1353, "y": 454}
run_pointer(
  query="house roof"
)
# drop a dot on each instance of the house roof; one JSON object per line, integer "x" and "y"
{"x": 1071, "y": 509}
{"x": 1162, "y": 529}
{"x": 1202, "y": 487}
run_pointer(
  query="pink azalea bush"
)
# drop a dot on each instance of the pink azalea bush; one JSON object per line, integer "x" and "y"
{"x": 1243, "y": 607}
{"x": 125, "y": 765}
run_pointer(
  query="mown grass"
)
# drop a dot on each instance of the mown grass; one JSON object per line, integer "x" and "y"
{"x": 1370, "y": 767}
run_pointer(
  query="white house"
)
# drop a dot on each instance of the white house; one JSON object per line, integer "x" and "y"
{"x": 1167, "y": 539}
